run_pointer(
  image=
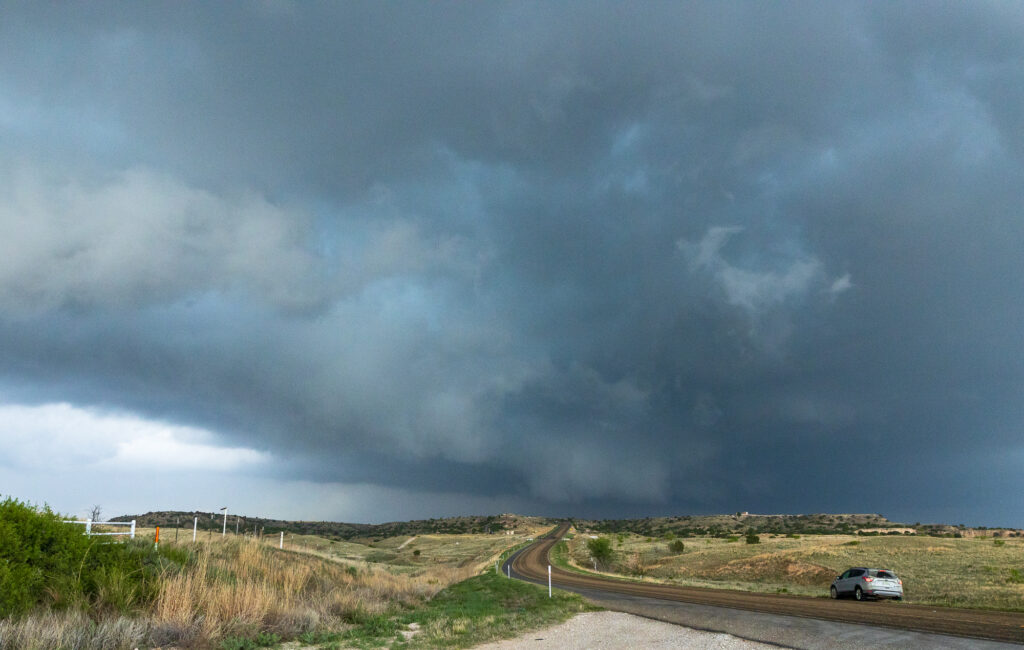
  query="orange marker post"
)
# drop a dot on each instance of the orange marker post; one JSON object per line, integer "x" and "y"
{"x": 156, "y": 544}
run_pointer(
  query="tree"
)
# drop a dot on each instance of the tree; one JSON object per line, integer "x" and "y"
{"x": 601, "y": 549}
{"x": 677, "y": 546}
{"x": 96, "y": 513}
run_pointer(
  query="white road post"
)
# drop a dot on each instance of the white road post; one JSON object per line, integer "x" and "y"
{"x": 88, "y": 526}
{"x": 225, "y": 531}
{"x": 133, "y": 529}
{"x": 508, "y": 567}
{"x": 195, "y": 525}
{"x": 281, "y": 545}
{"x": 549, "y": 581}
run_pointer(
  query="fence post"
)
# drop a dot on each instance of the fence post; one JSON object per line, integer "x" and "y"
{"x": 195, "y": 524}
{"x": 133, "y": 529}
{"x": 88, "y": 526}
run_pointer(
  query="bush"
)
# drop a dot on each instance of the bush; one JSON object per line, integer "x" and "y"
{"x": 753, "y": 539}
{"x": 601, "y": 549}
{"x": 999, "y": 542}
{"x": 45, "y": 562}
{"x": 677, "y": 546}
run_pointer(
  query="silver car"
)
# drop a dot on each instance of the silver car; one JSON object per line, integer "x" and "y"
{"x": 862, "y": 583}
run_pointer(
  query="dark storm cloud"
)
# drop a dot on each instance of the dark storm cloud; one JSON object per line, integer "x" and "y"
{"x": 631, "y": 260}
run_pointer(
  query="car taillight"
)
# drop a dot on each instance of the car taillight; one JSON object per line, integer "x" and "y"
{"x": 868, "y": 579}
{"x": 899, "y": 581}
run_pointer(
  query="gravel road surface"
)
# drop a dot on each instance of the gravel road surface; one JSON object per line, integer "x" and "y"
{"x": 618, "y": 630}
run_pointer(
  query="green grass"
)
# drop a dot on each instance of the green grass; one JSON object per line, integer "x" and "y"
{"x": 483, "y": 608}
{"x": 489, "y": 607}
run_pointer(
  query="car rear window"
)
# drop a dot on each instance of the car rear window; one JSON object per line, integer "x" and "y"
{"x": 886, "y": 574}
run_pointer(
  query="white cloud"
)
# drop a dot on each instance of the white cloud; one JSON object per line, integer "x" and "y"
{"x": 753, "y": 290}
{"x": 841, "y": 284}
{"x": 62, "y": 437}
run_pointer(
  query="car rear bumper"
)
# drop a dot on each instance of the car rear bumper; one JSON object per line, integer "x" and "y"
{"x": 884, "y": 593}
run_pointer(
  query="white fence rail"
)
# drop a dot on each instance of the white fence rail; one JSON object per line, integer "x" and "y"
{"x": 89, "y": 523}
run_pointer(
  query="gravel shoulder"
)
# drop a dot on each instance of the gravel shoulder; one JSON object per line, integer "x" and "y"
{"x": 619, "y": 630}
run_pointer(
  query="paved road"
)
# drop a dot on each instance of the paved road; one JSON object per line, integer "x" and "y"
{"x": 792, "y": 621}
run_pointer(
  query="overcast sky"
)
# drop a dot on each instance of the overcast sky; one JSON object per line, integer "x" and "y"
{"x": 375, "y": 261}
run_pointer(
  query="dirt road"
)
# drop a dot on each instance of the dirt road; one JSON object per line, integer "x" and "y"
{"x": 532, "y": 564}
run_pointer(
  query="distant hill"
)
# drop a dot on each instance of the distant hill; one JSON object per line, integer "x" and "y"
{"x": 679, "y": 526}
{"x": 817, "y": 524}
{"x": 338, "y": 530}
{"x": 740, "y": 523}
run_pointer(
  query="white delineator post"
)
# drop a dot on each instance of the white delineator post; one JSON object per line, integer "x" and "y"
{"x": 549, "y": 581}
{"x": 225, "y": 531}
{"x": 195, "y": 525}
{"x": 281, "y": 545}
{"x": 133, "y": 529}
{"x": 508, "y": 567}
{"x": 88, "y": 527}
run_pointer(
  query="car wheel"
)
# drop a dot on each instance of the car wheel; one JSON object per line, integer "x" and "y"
{"x": 834, "y": 592}
{"x": 858, "y": 594}
{"x": 898, "y": 598}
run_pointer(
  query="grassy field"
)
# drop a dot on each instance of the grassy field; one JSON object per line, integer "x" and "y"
{"x": 237, "y": 592}
{"x": 987, "y": 573}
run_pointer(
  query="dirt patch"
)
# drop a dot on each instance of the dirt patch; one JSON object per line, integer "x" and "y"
{"x": 773, "y": 567}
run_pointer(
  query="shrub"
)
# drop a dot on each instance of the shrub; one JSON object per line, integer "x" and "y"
{"x": 677, "y": 546}
{"x": 733, "y": 538}
{"x": 999, "y": 542}
{"x": 44, "y": 561}
{"x": 753, "y": 539}
{"x": 416, "y": 552}
{"x": 1015, "y": 577}
{"x": 601, "y": 549}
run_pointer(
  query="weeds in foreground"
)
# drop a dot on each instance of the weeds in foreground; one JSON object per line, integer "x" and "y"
{"x": 234, "y": 591}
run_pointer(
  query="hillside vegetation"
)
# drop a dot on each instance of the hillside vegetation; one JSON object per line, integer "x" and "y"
{"x": 815, "y": 524}
{"x": 212, "y": 521}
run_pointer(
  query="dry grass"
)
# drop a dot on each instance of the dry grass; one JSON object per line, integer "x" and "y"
{"x": 242, "y": 585}
{"x": 237, "y": 586}
{"x": 73, "y": 631}
{"x": 980, "y": 571}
